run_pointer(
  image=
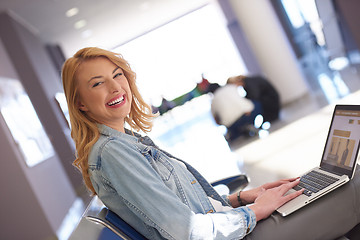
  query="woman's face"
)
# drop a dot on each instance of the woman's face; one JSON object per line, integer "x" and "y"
{"x": 104, "y": 92}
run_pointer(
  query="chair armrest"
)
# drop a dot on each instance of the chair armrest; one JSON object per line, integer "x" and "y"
{"x": 87, "y": 230}
{"x": 234, "y": 183}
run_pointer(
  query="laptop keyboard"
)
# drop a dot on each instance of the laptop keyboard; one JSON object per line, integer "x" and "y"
{"x": 314, "y": 181}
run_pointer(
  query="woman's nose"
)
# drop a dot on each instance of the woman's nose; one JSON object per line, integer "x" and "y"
{"x": 114, "y": 86}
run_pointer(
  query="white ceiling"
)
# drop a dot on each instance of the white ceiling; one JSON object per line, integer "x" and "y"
{"x": 108, "y": 22}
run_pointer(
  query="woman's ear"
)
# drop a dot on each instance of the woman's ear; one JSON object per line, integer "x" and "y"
{"x": 82, "y": 107}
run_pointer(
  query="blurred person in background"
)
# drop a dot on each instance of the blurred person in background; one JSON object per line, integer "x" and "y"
{"x": 235, "y": 112}
{"x": 259, "y": 89}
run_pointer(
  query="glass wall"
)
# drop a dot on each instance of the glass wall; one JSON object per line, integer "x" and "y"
{"x": 324, "y": 74}
{"x": 23, "y": 122}
{"x": 170, "y": 60}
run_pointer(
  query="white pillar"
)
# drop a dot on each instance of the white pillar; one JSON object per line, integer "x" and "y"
{"x": 271, "y": 47}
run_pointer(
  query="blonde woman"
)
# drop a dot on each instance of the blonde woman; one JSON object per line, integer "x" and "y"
{"x": 161, "y": 196}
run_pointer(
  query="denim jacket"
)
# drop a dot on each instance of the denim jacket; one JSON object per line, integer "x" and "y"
{"x": 160, "y": 196}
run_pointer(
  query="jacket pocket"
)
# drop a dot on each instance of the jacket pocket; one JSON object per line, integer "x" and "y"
{"x": 159, "y": 163}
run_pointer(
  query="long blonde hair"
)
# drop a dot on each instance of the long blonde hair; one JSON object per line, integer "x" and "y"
{"x": 84, "y": 131}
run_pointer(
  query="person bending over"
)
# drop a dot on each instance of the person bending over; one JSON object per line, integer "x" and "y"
{"x": 234, "y": 111}
{"x": 261, "y": 90}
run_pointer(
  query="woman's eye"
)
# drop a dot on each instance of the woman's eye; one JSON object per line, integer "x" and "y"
{"x": 117, "y": 75}
{"x": 97, "y": 84}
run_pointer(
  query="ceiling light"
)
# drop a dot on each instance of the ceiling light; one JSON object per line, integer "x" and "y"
{"x": 80, "y": 24}
{"x": 86, "y": 33}
{"x": 72, "y": 12}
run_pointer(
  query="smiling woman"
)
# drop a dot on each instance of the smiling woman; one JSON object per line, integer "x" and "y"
{"x": 84, "y": 129}
{"x": 134, "y": 178}
{"x": 149, "y": 188}
{"x": 104, "y": 92}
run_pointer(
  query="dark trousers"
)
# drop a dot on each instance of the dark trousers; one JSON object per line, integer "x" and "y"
{"x": 240, "y": 126}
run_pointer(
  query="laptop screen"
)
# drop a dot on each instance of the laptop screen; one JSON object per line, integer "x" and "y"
{"x": 342, "y": 144}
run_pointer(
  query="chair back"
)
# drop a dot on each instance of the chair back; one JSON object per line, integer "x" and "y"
{"x": 100, "y": 223}
{"x": 123, "y": 226}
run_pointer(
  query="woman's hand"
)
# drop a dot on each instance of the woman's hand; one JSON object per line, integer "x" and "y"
{"x": 249, "y": 196}
{"x": 272, "y": 198}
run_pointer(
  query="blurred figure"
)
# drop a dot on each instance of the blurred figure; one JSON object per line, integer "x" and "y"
{"x": 235, "y": 112}
{"x": 259, "y": 89}
{"x": 166, "y": 105}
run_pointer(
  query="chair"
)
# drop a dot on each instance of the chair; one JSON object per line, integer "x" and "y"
{"x": 114, "y": 226}
{"x": 99, "y": 223}
{"x": 234, "y": 183}
{"x": 105, "y": 224}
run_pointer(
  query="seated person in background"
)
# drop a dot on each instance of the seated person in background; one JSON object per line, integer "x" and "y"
{"x": 166, "y": 105}
{"x": 259, "y": 89}
{"x": 235, "y": 112}
{"x": 159, "y": 195}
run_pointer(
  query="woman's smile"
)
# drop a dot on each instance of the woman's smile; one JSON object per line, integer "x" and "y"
{"x": 116, "y": 102}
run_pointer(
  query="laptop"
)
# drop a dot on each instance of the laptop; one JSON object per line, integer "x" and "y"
{"x": 338, "y": 162}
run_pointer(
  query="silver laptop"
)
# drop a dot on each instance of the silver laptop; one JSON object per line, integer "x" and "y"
{"x": 338, "y": 161}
